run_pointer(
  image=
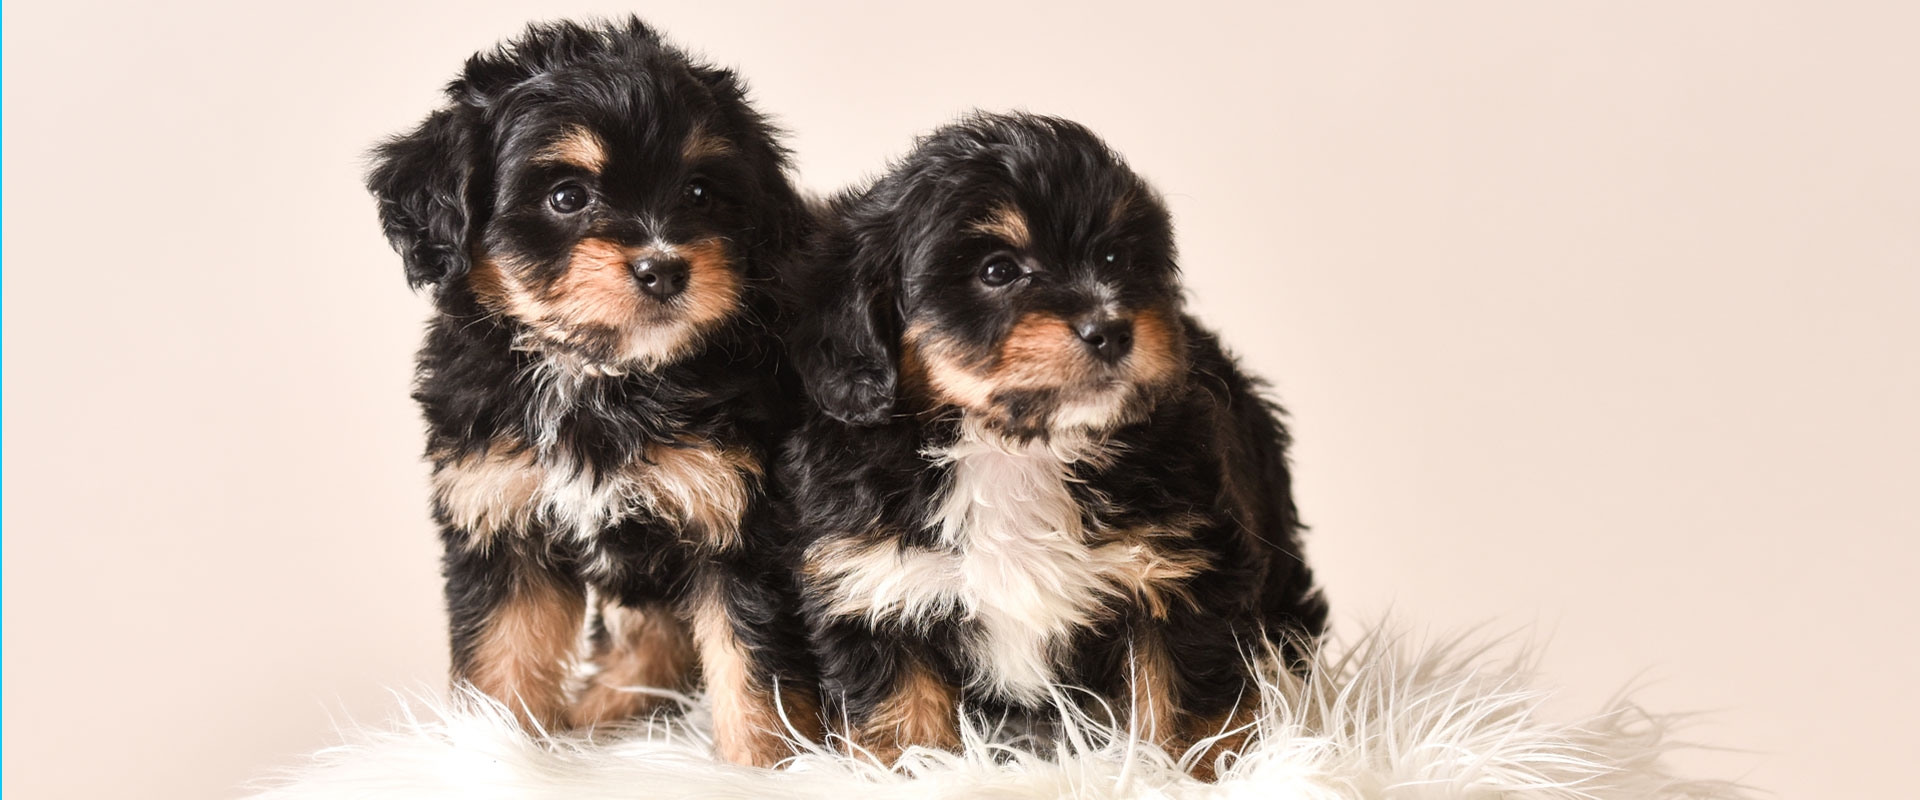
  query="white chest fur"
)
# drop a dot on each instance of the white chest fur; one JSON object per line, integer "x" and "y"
{"x": 1016, "y": 562}
{"x": 1024, "y": 565}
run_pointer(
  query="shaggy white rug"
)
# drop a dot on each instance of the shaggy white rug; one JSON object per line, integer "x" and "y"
{"x": 1383, "y": 718}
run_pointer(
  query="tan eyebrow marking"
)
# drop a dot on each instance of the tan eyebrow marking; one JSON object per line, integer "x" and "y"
{"x": 701, "y": 144}
{"x": 577, "y": 147}
{"x": 1008, "y": 223}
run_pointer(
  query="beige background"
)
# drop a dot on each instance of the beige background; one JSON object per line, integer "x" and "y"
{"x": 1597, "y": 321}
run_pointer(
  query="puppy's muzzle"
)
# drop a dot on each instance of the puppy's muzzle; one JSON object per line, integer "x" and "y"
{"x": 660, "y": 277}
{"x": 1108, "y": 339}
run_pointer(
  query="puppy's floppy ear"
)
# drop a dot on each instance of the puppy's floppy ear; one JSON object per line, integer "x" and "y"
{"x": 846, "y": 335}
{"x": 424, "y": 183}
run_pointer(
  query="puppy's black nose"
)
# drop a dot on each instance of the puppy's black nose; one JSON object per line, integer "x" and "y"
{"x": 662, "y": 277}
{"x": 1109, "y": 339}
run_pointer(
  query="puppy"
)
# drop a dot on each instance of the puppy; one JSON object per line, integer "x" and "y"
{"x": 596, "y": 215}
{"x": 1022, "y": 465}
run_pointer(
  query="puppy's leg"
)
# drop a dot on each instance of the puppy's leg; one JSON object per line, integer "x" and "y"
{"x": 515, "y": 622}
{"x": 1216, "y": 696}
{"x": 1225, "y": 730}
{"x": 737, "y": 624}
{"x": 644, "y": 647}
{"x": 887, "y": 695}
{"x": 919, "y": 709}
{"x": 1153, "y": 690}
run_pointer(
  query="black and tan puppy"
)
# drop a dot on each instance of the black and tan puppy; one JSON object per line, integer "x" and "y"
{"x": 596, "y": 214}
{"x": 1024, "y": 465}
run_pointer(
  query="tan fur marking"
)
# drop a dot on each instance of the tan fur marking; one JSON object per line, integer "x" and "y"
{"x": 800, "y": 708}
{"x": 577, "y": 147}
{"x": 927, "y": 369}
{"x": 713, "y": 285}
{"x": 952, "y": 379}
{"x": 1234, "y": 727}
{"x": 525, "y": 649}
{"x": 1153, "y": 695}
{"x": 1040, "y": 352}
{"x": 1155, "y": 578}
{"x": 701, "y": 486}
{"x": 488, "y": 279}
{"x": 920, "y": 712}
{"x": 703, "y": 145}
{"x": 646, "y": 648}
{"x": 597, "y": 288}
{"x": 1008, "y": 225}
{"x": 594, "y": 291}
{"x": 1158, "y": 349}
{"x": 487, "y": 494}
{"x": 747, "y": 727}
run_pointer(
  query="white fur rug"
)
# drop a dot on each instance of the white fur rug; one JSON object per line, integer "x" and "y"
{"x": 1383, "y": 718}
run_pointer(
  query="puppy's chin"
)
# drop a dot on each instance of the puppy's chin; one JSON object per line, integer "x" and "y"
{"x": 595, "y": 315}
{"x": 1073, "y": 412}
{"x": 1101, "y": 409}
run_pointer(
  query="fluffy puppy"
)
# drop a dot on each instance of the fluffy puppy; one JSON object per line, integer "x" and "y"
{"x": 596, "y": 214}
{"x": 1023, "y": 465}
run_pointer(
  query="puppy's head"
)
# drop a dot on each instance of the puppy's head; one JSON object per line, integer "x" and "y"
{"x": 597, "y": 186}
{"x": 1011, "y": 266}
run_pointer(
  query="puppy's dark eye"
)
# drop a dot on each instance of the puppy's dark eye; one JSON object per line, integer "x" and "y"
{"x": 699, "y": 194}
{"x": 1000, "y": 272}
{"x": 568, "y": 198}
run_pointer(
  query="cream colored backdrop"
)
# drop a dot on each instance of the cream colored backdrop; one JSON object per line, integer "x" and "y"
{"x": 1597, "y": 321}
